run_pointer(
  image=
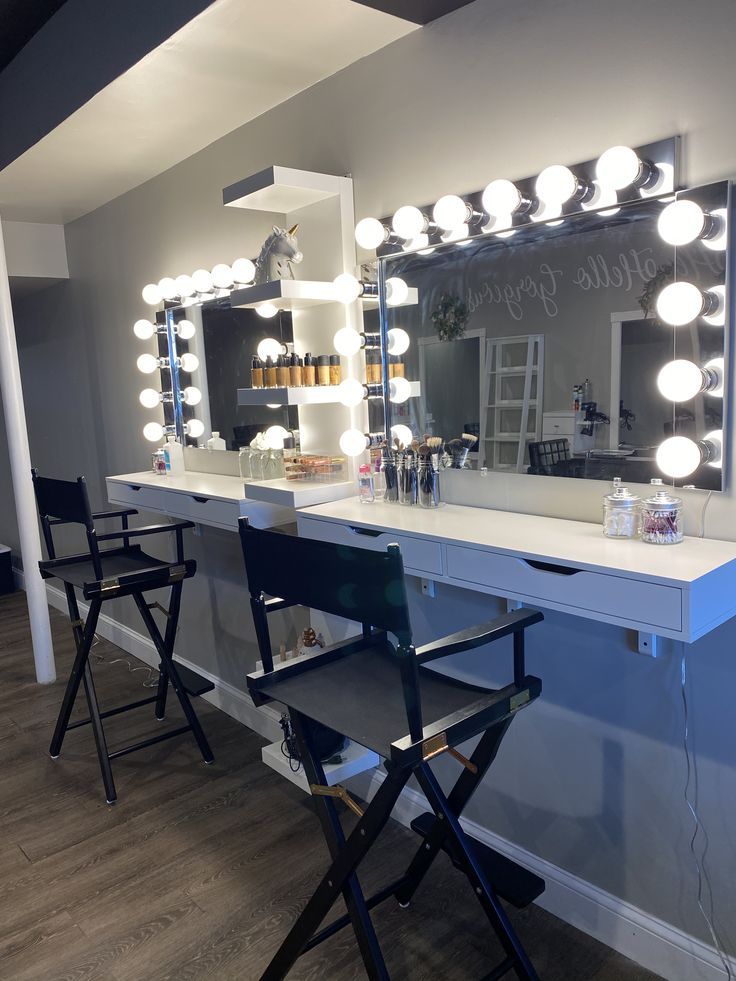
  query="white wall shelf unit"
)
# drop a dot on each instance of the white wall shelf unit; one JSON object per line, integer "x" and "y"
{"x": 280, "y": 190}
{"x": 286, "y": 294}
{"x": 679, "y": 591}
{"x": 356, "y": 759}
{"x": 298, "y": 493}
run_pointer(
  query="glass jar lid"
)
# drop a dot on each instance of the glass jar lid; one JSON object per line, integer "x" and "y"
{"x": 621, "y": 497}
{"x": 662, "y": 501}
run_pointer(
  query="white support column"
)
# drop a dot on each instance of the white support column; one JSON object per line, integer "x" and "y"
{"x": 20, "y": 467}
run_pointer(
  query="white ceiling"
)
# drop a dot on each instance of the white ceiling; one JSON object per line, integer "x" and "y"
{"x": 233, "y": 62}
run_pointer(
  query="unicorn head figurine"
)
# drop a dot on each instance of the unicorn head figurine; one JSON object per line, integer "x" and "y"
{"x": 277, "y": 254}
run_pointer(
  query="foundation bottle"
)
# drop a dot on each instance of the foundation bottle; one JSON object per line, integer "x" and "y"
{"x": 282, "y": 371}
{"x": 256, "y": 373}
{"x": 391, "y": 365}
{"x": 270, "y": 373}
{"x": 323, "y": 369}
{"x": 309, "y": 372}
{"x": 335, "y": 369}
{"x": 373, "y": 367}
{"x": 296, "y": 372}
{"x": 399, "y": 367}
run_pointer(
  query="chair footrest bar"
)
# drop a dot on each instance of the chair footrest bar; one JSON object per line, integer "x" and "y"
{"x": 111, "y": 712}
{"x": 341, "y": 922}
{"x": 512, "y": 882}
{"x": 194, "y": 684}
{"x": 145, "y": 743}
{"x": 498, "y": 972}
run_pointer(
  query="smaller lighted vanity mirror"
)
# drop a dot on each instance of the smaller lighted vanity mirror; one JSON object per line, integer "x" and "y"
{"x": 589, "y": 347}
{"x": 215, "y": 349}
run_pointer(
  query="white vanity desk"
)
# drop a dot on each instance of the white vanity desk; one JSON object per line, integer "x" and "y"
{"x": 206, "y": 498}
{"x": 677, "y": 591}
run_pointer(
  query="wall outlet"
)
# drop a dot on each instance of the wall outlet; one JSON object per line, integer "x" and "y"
{"x": 429, "y": 587}
{"x": 647, "y": 644}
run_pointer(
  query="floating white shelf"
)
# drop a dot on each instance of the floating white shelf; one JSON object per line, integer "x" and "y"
{"x": 281, "y": 190}
{"x": 411, "y": 300}
{"x": 356, "y": 760}
{"x": 311, "y": 395}
{"x": 298, "y": 493}
{"x": 286, "y": 294}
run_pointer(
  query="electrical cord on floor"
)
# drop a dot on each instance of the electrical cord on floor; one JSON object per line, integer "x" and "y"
{"x": 703, "y": 877}
{"x": 149, "y": 682}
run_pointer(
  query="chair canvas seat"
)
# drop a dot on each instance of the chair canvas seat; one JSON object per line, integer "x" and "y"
{"x": 362, "y": 697}
{"x": 115, "y": 562}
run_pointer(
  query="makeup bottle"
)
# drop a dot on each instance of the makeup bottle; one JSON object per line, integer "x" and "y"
{"x": 270, "y": 373}
{"x": 296, "y": 371}
{"x": 335, "y": 369}
{"x": 373, "y": 367}
{"x": 323, "y": 369}
{"x": 398, "y": 366}
{"x": 282, "y": 371}
{"x": 256, "y": 373}
{"x": 391, "y": 365}
{"x": 309, "y": 372}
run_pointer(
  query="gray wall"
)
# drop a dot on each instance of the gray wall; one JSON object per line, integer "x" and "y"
{"x": 591, "y": 777}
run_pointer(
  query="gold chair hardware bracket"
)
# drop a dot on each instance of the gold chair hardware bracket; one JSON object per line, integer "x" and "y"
{"x": 319, "y": 790}
{"x": 177, "y": 573}
{"x": 109, "y": 585}
{"x": 464, "y": 760}
{"x": 158, "y": 606}
{"x": 78, "y": 623}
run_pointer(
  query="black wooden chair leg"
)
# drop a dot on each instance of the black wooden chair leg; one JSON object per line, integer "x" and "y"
{"x": 481, "y": 886}
{"x": 166, "y": 655}
{"x": 83, "y": 639}
{"x": 99, "y": 733}
{"x": 161, "y": 692}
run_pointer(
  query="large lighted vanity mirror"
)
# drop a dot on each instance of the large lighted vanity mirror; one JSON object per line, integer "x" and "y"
{"x": 224, "y": 340}
{"x": 578, "y": 348}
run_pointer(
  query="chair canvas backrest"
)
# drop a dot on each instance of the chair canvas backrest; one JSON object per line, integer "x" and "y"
{"x": 349, "y": 582}
{"x": 65, "y": 501}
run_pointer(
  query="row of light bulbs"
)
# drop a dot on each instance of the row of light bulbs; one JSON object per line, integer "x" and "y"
{"x": 202, "y": 282}
{"x": 150, "y": 398}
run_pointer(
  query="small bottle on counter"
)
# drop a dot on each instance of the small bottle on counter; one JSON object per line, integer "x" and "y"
{"x": 621, "y": 512}
{"x": 270, "y": 373}
{"x": 373, "y": 366}
{"x": 661, "y": 522}
{"x": 282, "y": 371}
{"x": 335, "y": 369}
{"x": 309, "y": 371}
{"x": 366, "y": 490}
{"x": 158, "y": 462}
{"x": 296, "y": 372}
{"x": 256, "y": 372}
{"x": 323, "y": 369}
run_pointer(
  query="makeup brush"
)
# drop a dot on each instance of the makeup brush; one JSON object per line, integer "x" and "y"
{"x": 469, "y": 440}
{"x": 435, "y": 448}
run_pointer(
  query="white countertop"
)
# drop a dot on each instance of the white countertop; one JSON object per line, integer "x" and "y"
{"x": 213, "y": 485}
{"x": 574, "y": 543}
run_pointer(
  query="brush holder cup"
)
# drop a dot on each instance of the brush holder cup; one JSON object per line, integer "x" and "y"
{"x": 428, "y": 486}
{"x": 407, "y": 474}
{"x": 456, "y": 459}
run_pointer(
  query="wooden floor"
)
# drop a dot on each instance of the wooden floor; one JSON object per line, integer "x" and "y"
{"x": 197, "y": 872}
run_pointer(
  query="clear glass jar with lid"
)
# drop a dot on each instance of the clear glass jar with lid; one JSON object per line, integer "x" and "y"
{"x": 662, "y": 522}
{"x": 621, "y": 512}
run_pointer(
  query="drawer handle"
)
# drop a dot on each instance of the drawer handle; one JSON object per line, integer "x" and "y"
{"x": 368, "y": 532}
{"x": 201, "y": 500}
{"x": 558, "y": 570}
{"x": 134, "y": 487}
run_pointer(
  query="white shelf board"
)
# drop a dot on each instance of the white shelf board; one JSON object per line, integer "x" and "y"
{"x": 281, "y": 190}
{"x": 307, "y": 395}
{"x": 298, "y": 493}
{"x": 357, "y": 759}
{"x": 287, "y": 294}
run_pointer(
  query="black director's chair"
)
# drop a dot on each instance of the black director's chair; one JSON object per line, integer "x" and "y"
{"x": 369, "y": 689}
{"x": 109, "y": 574}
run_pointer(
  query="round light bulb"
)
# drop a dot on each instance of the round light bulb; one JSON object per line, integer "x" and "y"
{"x": 679, "y": 303}
{"x": 399, "y": 389}
{"x": 402, "y": 433}
{"x": 602, "y": 197}
{"x": 194, "y": 428}
{"x": 678, "y": 457}
{"x": 192, "y": 395}
{"x": 144, "y": 329}
{"x": 151, "y": 295}
{"x": 717, "y": 367}
{"x": 457, "y": 234}
{"x": 350, "y": 392}
{"x": 715, "y": 448}
{"x": 347, "y": 341}
{"x": 186, "y": 330}
{"x": 153, "y": 431}
{"x": 501, "y": 197}
{"x": 347, "y": 288}
{"x": 353, "y": 442}
{"x": 202, "y": 280}
{"x": 547, "y": 212}
{"x": 398, "y": 341}
{"x": 556, "y": 184}
{"x": 681, "y": 222}
{"x": 275, "y": 436}
{"x": 184, "y": 285}
{"x": 408, "y": 222}
{"x": 370, "y": 233}
{"x": 680, "y": 381}
{"x": 244, "y": 271}
{"x": 267, "y": 310}
{"x": 269, "y": 347}
{"x": 149, "y": 398}
{"x": 717, "y": 239}
{"x": 147, "y": 363}
{"x": 450, "y": 211}
{"x": 189, "y": 362}
{"x": 418, "y": 244}
{"x": 222, "y": 276}
{"x": 397, "y": 292}
{"x": 167, "y": 288}
{"x": 618, "y": 167}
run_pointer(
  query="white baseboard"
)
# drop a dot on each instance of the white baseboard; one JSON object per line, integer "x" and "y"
{"x": 667, "y": 951}
{"x": 235, "y": 703}
{"x": 645, "y": 939}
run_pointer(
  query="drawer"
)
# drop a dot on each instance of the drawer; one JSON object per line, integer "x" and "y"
{"x": 558, "y": 425}
{"x": 419, "y": 555}
{"x": 206, "y": 510}
{"x": 138, "y": 496}
{"x": 631, "y": 600}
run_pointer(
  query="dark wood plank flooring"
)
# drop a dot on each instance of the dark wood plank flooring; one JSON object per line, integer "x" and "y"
{"x": 199, "y": 871}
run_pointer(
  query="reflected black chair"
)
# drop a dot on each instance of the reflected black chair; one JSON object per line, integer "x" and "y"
{"x": 372, "y": 690}
{"x": 552, "y": 458}
{"x": 108, "y": 574}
